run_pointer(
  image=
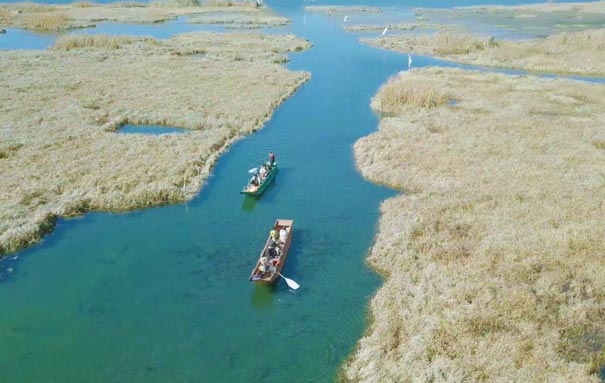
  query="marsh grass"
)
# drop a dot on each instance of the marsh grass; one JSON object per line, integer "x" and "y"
{"x": 60, "y": 155}
{"x": 45, "y": 21}
{"x": 82, "y": 4}
{"x": 493, "y": 259}
{"x": 529, "y": 20}
{"x": 264, "y": 19}
{"x": 55, "y": 18}
{"x": 570, "y": 52}
{"x": 342, "y": 9}
{"x": 30, "y": 7}
{"x": 229, "y": 3}
{"x": 69, "y": 42}
{"x": 399, "y": 93}
{"x": 581, "y": 52}
{"x": 176, "y": 3}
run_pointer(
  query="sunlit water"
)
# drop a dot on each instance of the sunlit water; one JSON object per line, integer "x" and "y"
{"x": 162, "y": 295}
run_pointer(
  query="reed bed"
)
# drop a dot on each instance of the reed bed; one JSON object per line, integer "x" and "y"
{"x": 82, "y": 4}
{"x": 529, "y": 20}
{"x": 342, "y": 9}
{"x": 69, "y": 42}
{"x": 493, "y": 257}
{"x": 256, "y": 20}
{"x": 397, "y": 93}
{"x": 61, "y": 155}
{"x": 54, "y": 18}
{"x": 581, "y": 52}
{"x": 52, "y": 22}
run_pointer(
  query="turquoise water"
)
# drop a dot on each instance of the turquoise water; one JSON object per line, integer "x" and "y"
{"x": 161, "y": 295}
{"x": 154, "y": 130}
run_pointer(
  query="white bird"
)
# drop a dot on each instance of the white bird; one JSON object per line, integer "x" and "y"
{"x": 409, "y": 61}
{"x": 385, "y": 31}
{"x": 345, "y": 20}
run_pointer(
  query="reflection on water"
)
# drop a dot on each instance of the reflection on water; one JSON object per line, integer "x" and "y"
{"x": 262, "y": 295}
{"x": 248, "y": 203}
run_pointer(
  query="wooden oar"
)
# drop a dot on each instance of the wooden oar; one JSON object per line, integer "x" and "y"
{"x": 291, "y": 284}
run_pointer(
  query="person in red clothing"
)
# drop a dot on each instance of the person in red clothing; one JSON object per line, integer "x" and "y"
{"x": 271, "y": 158}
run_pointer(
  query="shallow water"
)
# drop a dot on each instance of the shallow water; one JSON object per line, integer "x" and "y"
{"x": 153, "y": 130}
{"x": 161, "y": 295}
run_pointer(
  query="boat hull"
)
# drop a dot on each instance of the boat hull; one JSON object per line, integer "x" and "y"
{"x": 261, "y": 188}
{"x": 270, "y": 277}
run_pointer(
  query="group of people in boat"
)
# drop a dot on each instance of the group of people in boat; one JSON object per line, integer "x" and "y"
{"x": 263, "y": 172}
{"x": 270, "y": 259}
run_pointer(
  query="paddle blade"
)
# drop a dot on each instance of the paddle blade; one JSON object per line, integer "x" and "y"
{"x": 253, "y": 171}
{"x": 291, "y": 284}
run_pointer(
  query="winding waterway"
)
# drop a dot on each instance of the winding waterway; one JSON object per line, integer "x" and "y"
{"x": 162, "y": 295}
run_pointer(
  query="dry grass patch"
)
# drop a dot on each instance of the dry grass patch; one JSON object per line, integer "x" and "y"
{"x": 59, "y": 153}
{"x": 397, "y": 93}
{"x": 342, "y": 9}
{"x": 526, "y": 20}
{"x": 569, "y": 52}
{"x": 82, "y": 4}
{"x": 52, "y": 22}
{"x": 494, "y": 258}
{"x": 84, "y": 14}
{"x": 251, "y": 21}
{"x": 69, "y": 42}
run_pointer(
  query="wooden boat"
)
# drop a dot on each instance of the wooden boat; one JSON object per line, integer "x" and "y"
{"x": 256, "y": 190}
{"x": 268, "y": 268}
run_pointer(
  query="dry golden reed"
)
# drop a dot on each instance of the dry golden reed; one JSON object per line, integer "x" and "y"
{"x": 397, "y": 93}
{"x": 581, "y": 52}
{"x": 45, "y": 21}
{"x": 69, "y": 42}
{"x": 60, "y": 154}
{"x": 494, "y": 257}
{"x": 55, "y": 18}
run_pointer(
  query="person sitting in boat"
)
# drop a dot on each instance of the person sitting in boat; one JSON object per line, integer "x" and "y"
{"x": 272, "y": 247}
{"x": 273, "y": 234}
{"x": 266, "y": 265}
{"x": 254, "y": 181}
{"x": 263, "y": 171}
{"x": 283, "y": 235}
{"x": 271, "y": 159}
